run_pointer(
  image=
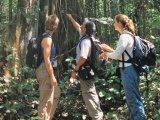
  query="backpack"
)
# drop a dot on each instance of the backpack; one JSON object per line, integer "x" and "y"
{"x": 92, "y": 65}
{"x": 144, "y": 54}
{"x": 34, "y": 56}
{"x": 144, "y": 57}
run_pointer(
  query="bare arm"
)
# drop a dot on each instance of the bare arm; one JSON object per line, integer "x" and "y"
{"x": 75, "y": 23}
{"x": 78, "y": 65}
{"x": 106, "y": 49}
{"x": 46, "y": 45}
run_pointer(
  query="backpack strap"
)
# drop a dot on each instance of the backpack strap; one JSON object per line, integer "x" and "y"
{"x": 123, "y": 60}
{"x": 87, "y": 62}
{"x": 45, "y": 35}
{"x": 81, "y": 39}
{"x": 92, "y": 43}
{"x": 130, "y": 60}
{"x": 128, "y": 56}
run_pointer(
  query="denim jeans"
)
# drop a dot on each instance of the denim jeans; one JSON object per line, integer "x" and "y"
{"x": 130, "y": 82}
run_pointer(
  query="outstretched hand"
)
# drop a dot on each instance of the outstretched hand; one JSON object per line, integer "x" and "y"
{"x": 73, "y": 77}
{"x": 103, "y": 56}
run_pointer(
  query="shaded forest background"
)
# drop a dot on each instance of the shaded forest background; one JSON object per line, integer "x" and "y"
{"x": 22, "y": 19}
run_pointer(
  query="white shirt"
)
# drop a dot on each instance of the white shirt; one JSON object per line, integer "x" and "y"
{"x": 126, "y": 42}
{"x": 84, "y": 50}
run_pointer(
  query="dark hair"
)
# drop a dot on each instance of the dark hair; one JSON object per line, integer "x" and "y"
{"x": 90, "y": 28}
{"x": 52, "y": 23}
{"x": 126, "y": 22}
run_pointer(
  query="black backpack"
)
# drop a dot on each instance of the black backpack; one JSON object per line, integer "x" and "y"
{"x": 92, "y": 65}
{"x": 34, "y": 56}
{"x": 144, "y": 54}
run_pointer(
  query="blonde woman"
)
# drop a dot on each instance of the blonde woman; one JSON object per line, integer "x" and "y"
{"x": 130, "y": 78}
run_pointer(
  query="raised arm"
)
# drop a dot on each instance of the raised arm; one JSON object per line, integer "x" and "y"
{"x": 75, "y": 23}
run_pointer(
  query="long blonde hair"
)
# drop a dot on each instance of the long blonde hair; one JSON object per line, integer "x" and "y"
{"x": 126, "y": 22}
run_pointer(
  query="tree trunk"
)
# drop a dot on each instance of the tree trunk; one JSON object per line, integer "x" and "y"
{"x": 10, "y": 11}
{"x": 144, "y": 18}
{"x": 17, "y": 36}
{"x": 0, "y": 11}
{"x": 158, "y": 91}
{"x": 53, "y": 6}
{"x": 43, "y": 14}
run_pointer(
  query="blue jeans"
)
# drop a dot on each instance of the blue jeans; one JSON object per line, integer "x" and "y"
{"x": 130, "y": 82}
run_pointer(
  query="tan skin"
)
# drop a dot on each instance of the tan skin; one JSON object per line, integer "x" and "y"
{"x": 46, "y": 45}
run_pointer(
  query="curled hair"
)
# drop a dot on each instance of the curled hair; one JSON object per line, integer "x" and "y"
{"x": 52, "y": 23}
{"x": 126, "y": 22}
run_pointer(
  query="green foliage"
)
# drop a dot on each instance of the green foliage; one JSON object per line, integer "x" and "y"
{"x": 5, "y": 10}
{"x": 155, "y": 22}
{"x": 19, "y": 95}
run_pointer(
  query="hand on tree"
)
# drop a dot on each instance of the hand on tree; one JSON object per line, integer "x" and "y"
{"x": 69, "y": 16}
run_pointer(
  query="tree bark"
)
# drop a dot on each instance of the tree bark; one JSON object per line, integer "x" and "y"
{"x": 17, "y": 36}
{"x": 158, "y": 91}
{"x": 144, "y": 18}
{"x": 0, "y": 11}
{"x": 10, "y": 11}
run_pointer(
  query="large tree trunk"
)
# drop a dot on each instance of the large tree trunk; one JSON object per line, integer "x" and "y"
{"x": 143, "y": 4}
{"x": 141, "y": 17}
{"x": 17, "y": 37}
{"x": 0, "y": 11}
{"x": 66, "y": 34}
{"x": 53, "y": 6}
{"x": 43, "y": 14}
{"x": 10, "y": 10}
{"x": 20, "y": 35}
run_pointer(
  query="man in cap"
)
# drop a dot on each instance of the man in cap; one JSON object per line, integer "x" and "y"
{"x": 83, "y": 51}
